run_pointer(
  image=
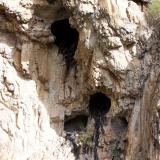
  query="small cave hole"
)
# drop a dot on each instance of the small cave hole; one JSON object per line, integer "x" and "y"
{"x": 119, "y": 125}
{"x": 66, "y": 38}
{"x": 99, "y": 104}
{"x": 76, "y": 124}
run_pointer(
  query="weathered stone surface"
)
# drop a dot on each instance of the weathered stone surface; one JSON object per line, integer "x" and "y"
{"x": 117, "y": 55}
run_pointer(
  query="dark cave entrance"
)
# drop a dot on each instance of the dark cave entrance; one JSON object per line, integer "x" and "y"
{"x": 99, "y": 106}
{"x": 76, "y": 124}
{"x": 66, "y": 40}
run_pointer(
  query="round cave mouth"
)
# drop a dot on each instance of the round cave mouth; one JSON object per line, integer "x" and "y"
{"x": 99, "y": 104}
{"x": 66, "y": 38}
{"x": 76, "y": 124}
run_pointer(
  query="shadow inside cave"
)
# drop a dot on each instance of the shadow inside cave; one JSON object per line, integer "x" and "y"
{"x": 66, "y": 38}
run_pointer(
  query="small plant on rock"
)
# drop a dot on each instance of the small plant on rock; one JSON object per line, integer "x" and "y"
{"x": 85, "y": 139}
{"x": 115, "y": 149}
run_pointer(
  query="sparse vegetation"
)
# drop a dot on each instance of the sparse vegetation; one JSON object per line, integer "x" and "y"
{"x": 85, "y": 139}
{"x": 116, "y": 152}
{"x": 116, "y": 149}
{"x": 154, "y": 13}
{"x": 154, "y": 7}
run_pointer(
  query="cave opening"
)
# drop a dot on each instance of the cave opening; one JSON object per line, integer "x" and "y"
{"x": 66, "y": 38}
{"x": 99, "y": 106}
{"x": 73, "y": 127}
{"x": 84, "y": 130}
{"x": 76, "y": 124}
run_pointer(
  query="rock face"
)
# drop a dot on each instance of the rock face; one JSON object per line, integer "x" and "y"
{"x": 79, "y": 80}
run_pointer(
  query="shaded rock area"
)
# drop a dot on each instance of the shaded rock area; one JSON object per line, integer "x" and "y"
{"x": 79, "y": 80}
{"x": 78, "y": 124}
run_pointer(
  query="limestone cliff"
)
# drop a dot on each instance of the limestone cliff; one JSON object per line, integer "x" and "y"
{"x": 79, "y": 80}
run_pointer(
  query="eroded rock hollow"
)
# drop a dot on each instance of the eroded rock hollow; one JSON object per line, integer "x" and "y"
{"x": 79, "y": 80}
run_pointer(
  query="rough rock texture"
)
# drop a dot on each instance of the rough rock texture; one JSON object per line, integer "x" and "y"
{"x": 116, "y": 62}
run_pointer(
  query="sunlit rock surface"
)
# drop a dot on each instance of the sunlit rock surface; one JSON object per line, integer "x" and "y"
{"x": 116, "y": 57}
